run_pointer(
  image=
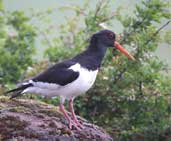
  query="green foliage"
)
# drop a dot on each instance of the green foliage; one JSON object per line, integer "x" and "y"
{"x": 73, "y": 38}
{"x": 130, "y": 99}
{"x": 16, "y": 45}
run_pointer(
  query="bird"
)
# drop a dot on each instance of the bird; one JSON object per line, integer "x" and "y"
{"x": 72, "y": 77}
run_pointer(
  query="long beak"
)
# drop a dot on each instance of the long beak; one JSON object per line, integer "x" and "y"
{"x": 123, "y": 50}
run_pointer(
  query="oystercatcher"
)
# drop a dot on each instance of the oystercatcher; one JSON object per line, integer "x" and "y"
{"x": 72, "y": 77}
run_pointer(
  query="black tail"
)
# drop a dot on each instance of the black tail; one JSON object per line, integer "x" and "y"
{"x": 18, "y": 91}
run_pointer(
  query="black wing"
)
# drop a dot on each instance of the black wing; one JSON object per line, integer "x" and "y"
{"x": 58, "y": 74}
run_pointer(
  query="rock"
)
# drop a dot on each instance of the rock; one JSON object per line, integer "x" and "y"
{"x": 29, "y": 120}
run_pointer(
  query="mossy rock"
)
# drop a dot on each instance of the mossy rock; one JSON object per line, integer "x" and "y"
{"x": 24, "y": 119}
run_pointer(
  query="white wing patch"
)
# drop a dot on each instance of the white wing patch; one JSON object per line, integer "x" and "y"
{"x": 83, "y": 83}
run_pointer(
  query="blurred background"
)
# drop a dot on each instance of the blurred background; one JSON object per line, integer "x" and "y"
{"x": 58, "y": 17}
{"x": 131, "y": 100}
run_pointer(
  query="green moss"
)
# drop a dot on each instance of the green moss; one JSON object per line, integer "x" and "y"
{"x": 19, "y": 109}
{"x": 4, "y": 99}
{"x": 50, "y": 112}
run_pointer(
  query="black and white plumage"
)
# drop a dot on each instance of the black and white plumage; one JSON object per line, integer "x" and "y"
{"x": 73, "y": 80}
{"x": 71, "y": 77}
{"x": 74, "y": 76}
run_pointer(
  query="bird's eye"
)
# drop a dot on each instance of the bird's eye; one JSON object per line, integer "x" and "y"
{"x": 110, "y": 35}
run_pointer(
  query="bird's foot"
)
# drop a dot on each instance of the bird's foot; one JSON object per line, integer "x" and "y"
{"x": 78, "y": 124}
{"x": 72, "y": 125}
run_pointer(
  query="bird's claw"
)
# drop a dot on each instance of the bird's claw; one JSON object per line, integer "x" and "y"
{"x": 73, "y": 124}
{"x": 78, "y": 124}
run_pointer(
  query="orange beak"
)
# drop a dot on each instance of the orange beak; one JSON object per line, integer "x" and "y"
{"x": 123, "y": 50}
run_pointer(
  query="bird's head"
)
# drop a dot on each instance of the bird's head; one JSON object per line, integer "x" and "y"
{"x": 107, "y": 39}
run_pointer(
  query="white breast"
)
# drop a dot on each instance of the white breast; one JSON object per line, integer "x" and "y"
{"x": 83, "y": 83}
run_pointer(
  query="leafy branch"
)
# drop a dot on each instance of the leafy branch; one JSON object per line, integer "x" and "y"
{"x": 157, "y": 31}
{"x": 121, "y": 72}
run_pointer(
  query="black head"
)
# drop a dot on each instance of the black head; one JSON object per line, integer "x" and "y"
{"x": 104, "y": 37}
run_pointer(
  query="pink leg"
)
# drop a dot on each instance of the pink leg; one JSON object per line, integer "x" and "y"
{"x": 71, "y": 123}
{"x": 71, "y": 107}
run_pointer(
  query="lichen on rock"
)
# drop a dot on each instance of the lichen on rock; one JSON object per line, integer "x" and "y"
{"x": 24, "y": 119}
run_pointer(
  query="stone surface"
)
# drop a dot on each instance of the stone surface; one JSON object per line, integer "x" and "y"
{"x": 29, "y": 120}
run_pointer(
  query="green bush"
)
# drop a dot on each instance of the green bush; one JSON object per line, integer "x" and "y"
{"x": 16, "y": 45}
{"x": 130, "y": 98}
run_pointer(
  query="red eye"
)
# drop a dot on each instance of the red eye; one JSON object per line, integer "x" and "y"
{"x": 110, "y": 35}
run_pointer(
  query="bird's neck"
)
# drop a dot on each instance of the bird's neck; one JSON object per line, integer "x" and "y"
{"x": 92, "y": 57}
{"x": 97, "y": 51}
